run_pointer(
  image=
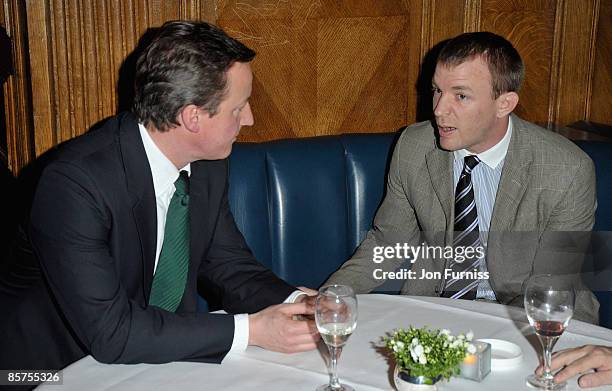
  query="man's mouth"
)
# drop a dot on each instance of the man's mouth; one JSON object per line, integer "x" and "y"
{"x": 446, "y": 130}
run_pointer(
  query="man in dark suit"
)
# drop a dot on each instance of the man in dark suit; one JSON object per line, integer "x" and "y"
{"x": 531, "y": 191}
{"x": 106, "y": 279}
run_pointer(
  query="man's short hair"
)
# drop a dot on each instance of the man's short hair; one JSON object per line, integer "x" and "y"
{"x": 186, "y": 63}
{"x": 504, "y": 61}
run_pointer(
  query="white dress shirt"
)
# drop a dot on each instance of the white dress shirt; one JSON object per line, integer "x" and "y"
{"x": 485, "y": 179}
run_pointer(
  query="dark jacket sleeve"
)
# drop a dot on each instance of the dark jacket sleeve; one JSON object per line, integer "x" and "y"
{"x": 70, "y": 230}
{"x": 241, "y": 283}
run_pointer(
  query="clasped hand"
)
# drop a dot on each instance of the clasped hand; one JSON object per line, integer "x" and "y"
{"x": 277, "y": 327}
{"x": 580, "y": 360}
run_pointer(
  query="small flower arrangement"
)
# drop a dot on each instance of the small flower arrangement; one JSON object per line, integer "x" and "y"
{"x": 433, "y": 354}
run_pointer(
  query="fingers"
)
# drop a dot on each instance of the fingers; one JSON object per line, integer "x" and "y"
{"x": 568, "y": 356}
{"x": 592, "y": 357}
{"x": 298, "y": 336}
{"x": 580, "y": 360}
{"x": 595, "y": 379}
{"x": 274, "y": 329}
{"x": 308, "y": 291}
{"x": 305, "y": 307}
{"x": 565, "y": 357}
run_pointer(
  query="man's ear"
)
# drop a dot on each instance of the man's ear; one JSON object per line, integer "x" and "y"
{"x": 190, "y": 117}
{"x": 506, "y": 103}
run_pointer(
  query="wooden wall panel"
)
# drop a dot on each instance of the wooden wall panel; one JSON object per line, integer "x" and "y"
{"x": 323, "y": 66}
{"x": 77, "y": 49}
{"x": 442, "y": 19}
{"x": 16, "y": 89}
{"x": 572, "y": 94}
{"x": 601, "y": 100}
{"x": 529, "y": 25}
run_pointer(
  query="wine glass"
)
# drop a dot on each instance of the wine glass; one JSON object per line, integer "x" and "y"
{"x": 549, "y": 303}
{"x": 336, "y": 318}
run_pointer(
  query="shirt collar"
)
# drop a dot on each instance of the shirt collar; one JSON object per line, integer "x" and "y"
{"x": 163, "y": 170}
{"x": 494, "y": 155}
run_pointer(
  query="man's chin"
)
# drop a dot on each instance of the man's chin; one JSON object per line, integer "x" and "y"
{"x": 448, "y": 145}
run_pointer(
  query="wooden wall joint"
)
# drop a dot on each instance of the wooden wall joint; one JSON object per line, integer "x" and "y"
{"x": 17, "y": 92}
{"x": 558, "y": 35}
{"x": 471, "y": 15}
{"x": 591, "y": 65}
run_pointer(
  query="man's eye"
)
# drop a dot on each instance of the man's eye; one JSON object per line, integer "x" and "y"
{"x": 461, "y": 97}
{"x": 435, "y": 90}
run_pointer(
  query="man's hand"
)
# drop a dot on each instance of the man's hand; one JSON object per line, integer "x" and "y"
{"x": 274, "y": 328}
{"x": 583, "y": 359}
{"x": 308, "y": 291}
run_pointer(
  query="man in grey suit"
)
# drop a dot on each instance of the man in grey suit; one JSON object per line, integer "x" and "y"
{"x": 520, "y": 196}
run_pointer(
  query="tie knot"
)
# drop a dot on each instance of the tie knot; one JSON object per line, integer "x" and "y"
{"x": 469, "y": 163}
{"x": 182, "y": 184}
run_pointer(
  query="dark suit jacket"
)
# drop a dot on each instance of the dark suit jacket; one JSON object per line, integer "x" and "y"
{"x": 544, "y": 205}
{"x": 93, "y": 229}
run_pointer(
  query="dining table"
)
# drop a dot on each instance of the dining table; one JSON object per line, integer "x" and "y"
{"x": 365, "y": 363}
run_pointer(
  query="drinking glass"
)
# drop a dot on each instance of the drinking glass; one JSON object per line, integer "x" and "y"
{"x": 549, "y": 303}
{"x": 336, "y": 318}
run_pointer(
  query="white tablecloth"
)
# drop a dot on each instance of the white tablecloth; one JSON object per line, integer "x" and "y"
{"x": 362, "y": 364}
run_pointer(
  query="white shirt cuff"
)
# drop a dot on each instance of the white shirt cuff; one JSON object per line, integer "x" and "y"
{"x": 241, "y": 335}
{"x": 293, "y": 296}
{"x": 241, "y": 328}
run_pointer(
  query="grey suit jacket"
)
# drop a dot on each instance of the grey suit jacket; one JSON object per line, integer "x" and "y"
{"x": 544, "y": 205}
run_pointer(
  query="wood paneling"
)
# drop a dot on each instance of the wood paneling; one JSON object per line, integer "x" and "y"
{"x": 323, "y": 66}
{"x": 601, "y": 99}
{"x": 576, "y": 56}
{"x": 17, "y": 103}
{"x": 529, "y": 25}
{"x": 77, "y": 49}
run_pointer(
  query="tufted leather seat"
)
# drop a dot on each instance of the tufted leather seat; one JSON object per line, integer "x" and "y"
{"x": 304, "y": 205}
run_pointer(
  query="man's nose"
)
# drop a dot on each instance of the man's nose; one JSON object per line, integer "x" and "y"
{"x": 440, "y": 105}
{"x": 247, "y": 116}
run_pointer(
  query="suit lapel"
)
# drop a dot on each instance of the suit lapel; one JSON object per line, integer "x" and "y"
{"x": 439, "y": 166}
{"x": 140, "y": 186}
{"x": 198, "y": 204}
{"x": 514, "y": 179}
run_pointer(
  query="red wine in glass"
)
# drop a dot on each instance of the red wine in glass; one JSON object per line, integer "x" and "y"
{"x": 549, "y": 304}
{"x": 549, "y": 328}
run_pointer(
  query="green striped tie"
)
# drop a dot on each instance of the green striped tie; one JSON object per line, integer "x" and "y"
{"x": 171, "y": 274}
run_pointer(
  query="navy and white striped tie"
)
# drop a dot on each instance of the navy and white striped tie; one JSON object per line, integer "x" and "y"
{"x": 467, "y": 234}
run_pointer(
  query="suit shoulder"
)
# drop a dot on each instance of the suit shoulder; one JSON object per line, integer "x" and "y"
{"x": 418, "y": 137}
{"x": 215, "y": 172}
{"x": 551, "y": 147}
{"x": 93, "y": 142}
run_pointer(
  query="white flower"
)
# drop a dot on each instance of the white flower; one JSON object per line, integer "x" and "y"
{"x": 415, "y": 358}
{"x": 415, "y": 341}
{"x": 461, "y": 337}
{"x": 422, "y": 360}
{"x": 469, "y": 336}
{"x": 418, "y": 350}
{"x": 400, "y": 345}
{"x": 471, "y": 349}
{"x": 445, "y": 332}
